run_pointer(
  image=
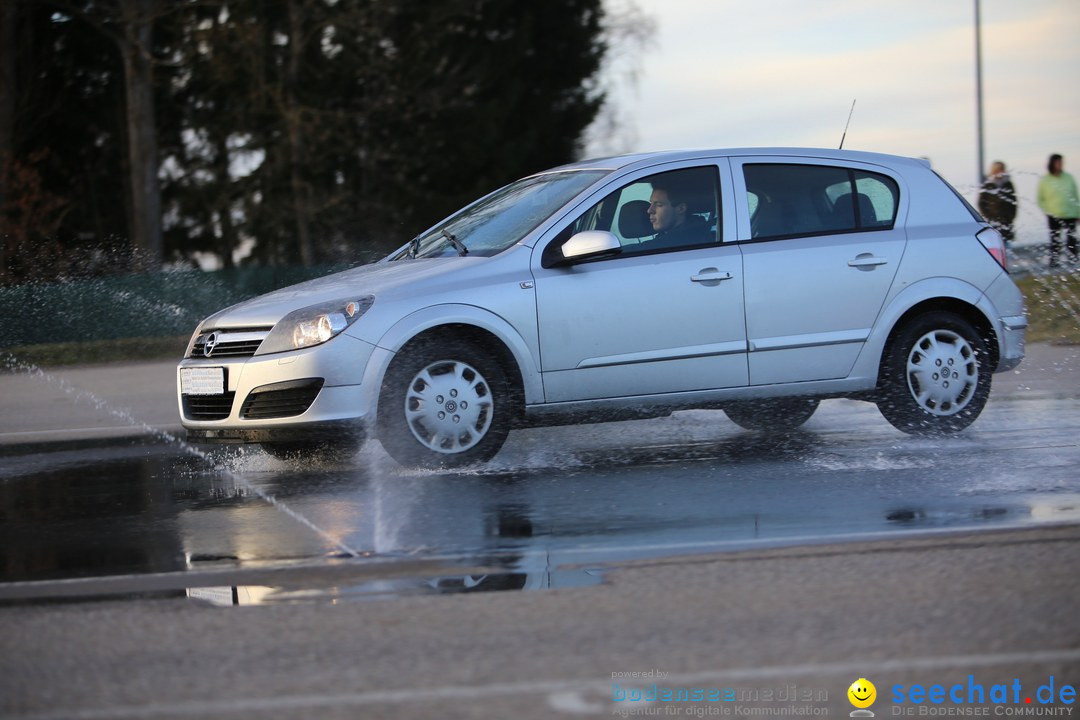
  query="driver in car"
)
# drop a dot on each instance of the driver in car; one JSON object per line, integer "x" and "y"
{"x": 671, "y": 219}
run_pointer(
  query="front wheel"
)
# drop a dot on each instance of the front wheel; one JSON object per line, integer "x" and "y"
{"x": 444, "y": 404}
{"x": 935, "y": 378}
{"x": 775, "y": 415}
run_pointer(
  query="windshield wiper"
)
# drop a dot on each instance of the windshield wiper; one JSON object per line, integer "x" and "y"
{"x": 414, "y": 247}
{"x": 458, "y": 245}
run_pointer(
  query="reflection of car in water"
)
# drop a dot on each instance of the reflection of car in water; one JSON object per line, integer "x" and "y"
{"x": 759, "y": 281}
{"x": 563, "y": 525}
{"x": 479, "y": 531}
{"x": 487, "y": 527}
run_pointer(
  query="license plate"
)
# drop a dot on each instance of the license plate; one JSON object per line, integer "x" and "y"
{"x": 202, "y": 381}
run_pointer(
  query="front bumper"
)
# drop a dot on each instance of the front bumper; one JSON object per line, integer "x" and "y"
{"x": 340, "y": 405}
{"x": 347, "y": 431}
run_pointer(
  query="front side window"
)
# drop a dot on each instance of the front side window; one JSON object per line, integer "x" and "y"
{"x": 799, "y": 200}
{"x": 501, "y": 219}
{"x": 675, "y": 210}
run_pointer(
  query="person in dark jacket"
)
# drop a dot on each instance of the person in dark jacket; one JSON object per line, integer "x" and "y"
{"x": 997, "y": 201}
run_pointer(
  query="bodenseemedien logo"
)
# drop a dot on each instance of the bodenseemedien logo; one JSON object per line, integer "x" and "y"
{"x": 862, "y": 694}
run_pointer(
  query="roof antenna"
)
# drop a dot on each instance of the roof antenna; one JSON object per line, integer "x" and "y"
{"x": 848, "y": 124}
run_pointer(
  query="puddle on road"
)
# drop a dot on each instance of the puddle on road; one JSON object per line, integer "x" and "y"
{"x": 146, "y": 509}
{"x": 539, "y": 579}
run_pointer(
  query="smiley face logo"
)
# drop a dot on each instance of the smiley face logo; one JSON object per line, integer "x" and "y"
{"x": 862, "y": 693}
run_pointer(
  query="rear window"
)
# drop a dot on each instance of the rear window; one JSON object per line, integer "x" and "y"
{"x": 788, "y": 200}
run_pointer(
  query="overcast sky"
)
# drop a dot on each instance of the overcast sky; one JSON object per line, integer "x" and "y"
{"x": 732, "y": 73}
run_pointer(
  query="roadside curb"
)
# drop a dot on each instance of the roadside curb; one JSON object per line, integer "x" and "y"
{"x": 134, "y": 437}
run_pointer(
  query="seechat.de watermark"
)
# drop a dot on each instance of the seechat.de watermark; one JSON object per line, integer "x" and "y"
{"x": 970, "y": 698}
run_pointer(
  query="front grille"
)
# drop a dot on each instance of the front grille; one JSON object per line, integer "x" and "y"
{"x": 237, "y": 342}
{"x": 284, "y": 399}
{"x": 208, "y": 407}
{"x": 227, "y": 349}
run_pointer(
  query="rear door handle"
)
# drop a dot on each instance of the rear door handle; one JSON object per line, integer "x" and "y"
{"x": 866, "y": 260}
{"x": 710, "y": 276}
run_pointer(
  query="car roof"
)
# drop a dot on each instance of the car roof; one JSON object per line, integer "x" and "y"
{"x": 621, "y": 162}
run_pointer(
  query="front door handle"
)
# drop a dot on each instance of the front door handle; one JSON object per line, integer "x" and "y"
{"x": 866, "y": 260}
{"x": 710, "y": 276}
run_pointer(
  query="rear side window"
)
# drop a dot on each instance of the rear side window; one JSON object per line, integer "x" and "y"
{"x": 800, "y": 200}
{"x": 975, "y": 214}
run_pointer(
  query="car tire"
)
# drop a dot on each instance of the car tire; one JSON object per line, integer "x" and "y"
{"x": 775, "y": 415}
{"x": 444, "y": 403}
{"x": 935, "y": 375}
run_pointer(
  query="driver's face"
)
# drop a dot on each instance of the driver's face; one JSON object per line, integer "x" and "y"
{"x": 662, "y": 214}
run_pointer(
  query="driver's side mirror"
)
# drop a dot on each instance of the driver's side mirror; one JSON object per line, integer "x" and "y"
{"x": 590, "y": 245}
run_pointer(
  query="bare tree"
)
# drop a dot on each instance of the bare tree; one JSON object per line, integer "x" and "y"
{"x": 7, "y": 80}
{"x": 301, "y": 191}
{"x": 630, "y": 33}
{"x": 129, "y": 25}
{"x": 7, "y": 109}
{"x": 137, "y": 18}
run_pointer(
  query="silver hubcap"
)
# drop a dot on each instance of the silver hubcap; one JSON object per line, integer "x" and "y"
{"x": 449, "y": 407}
{"x": 942, "y": 372}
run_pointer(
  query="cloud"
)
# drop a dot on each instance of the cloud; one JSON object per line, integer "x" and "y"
{"x": 785, "y": 73}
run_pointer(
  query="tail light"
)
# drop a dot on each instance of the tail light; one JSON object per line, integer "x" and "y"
{"x": 995, "y": 245}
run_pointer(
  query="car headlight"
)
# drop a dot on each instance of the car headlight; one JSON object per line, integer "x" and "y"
{"x": 314, "y": 325}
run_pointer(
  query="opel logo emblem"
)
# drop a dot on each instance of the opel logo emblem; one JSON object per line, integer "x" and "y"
{"x": 210, "y": 344}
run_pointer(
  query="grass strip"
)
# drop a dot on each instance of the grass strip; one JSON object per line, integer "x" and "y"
{"x": 1053, "y": 308}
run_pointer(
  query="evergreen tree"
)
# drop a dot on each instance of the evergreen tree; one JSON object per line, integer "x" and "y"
{"x": 67, "y": 149}
{"x": 314, "y": 130}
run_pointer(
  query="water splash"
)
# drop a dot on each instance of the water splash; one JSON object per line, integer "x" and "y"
{"x": 11, "y": 363}
{"x": 1029, "y": 253}
{"x": 879, "y": 462}
{"x": 1054, "y": 283}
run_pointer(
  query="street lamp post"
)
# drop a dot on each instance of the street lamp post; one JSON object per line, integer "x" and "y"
{"x": 979, "y": 96}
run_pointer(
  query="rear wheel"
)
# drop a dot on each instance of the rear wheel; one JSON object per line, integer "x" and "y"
{"x": 934, "y": 377}
{"x": 444, "y": 403}
{"x": 773, "y": 415}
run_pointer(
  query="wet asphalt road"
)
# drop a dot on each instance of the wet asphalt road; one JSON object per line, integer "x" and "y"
{"x": 581, "y": 496}
{"x": 683, "y": 545}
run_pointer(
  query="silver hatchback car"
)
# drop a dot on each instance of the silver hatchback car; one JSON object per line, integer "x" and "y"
{"x": 759, "y": 281}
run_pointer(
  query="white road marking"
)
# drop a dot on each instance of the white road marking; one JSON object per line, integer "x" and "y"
{"x": 64, "y": 431}
{"x": 550, "y": 688}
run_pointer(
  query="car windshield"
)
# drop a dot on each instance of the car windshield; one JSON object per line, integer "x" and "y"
{"x": 500, "y": 219}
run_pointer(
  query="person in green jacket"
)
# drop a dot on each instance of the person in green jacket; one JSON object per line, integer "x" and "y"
{"x": 1058, "y": 198}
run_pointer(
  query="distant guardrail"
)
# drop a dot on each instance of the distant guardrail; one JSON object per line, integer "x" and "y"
{"x": 131, "y": 306}
{"x": 173, "y": 303}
